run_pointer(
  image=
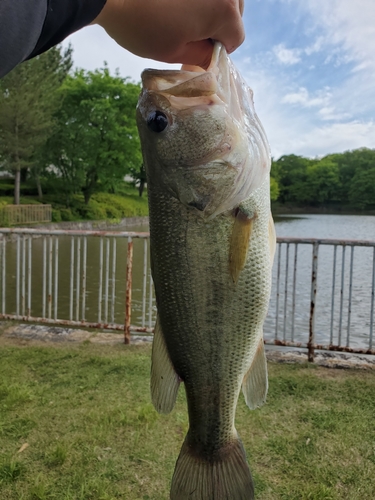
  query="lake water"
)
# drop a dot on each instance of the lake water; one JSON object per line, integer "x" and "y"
{"x": 350, "y": 227}
{"x": 313, "y": 226}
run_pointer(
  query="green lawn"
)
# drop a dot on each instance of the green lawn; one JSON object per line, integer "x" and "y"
{"x": 92, "y": 433}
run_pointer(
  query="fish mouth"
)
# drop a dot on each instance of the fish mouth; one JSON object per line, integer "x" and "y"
{"x": 192, "y": 86}
{"x": 180, "y": 83}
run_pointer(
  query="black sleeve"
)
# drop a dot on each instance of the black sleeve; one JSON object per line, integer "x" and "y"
{"x": 63, "y": 18}
{"x": 30, "y": 27}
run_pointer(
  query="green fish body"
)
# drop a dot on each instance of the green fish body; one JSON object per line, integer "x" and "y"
{"x": 212, "y": 243}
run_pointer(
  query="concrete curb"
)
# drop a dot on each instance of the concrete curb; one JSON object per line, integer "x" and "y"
{"x": 56, "y": 334}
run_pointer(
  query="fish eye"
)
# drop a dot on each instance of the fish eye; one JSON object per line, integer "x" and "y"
{"x": 157, "y": 121}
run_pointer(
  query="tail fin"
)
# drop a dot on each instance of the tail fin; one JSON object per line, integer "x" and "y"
{"x": 228, "y": 478}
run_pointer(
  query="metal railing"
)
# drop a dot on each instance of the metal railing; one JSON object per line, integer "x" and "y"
{"x": 322, "y": 295}
{"x": 25, "y": 214}
{"x": 76, "y": 278}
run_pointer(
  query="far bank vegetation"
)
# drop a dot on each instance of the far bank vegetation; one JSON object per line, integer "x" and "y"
{"x": 341, "y": 181}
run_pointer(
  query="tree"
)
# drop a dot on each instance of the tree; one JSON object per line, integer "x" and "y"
{"x": 361, "y": 189}
{"x": 349, "y": 164}
{"x": 274, "y": 189}
{"x": 290, "y": 171}
{"x": 95, "y": 143}
{"x": 28, "y": 99}
{"x": 322, "y": 182}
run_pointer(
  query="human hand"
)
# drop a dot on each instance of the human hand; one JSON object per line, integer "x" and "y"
{"x": 174, "y": 31}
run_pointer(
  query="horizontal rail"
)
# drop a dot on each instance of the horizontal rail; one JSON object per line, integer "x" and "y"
{"x": 132, "y": 234}
{"x": 328, "y": 241}
{"x": 72, "y": 232}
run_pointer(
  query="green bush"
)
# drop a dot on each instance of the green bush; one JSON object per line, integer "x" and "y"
{"x": 66, "y": 214}
{"x": 29, "y": 189}
{"x": 101, "y": 206}
{"x": 26, "y": 189}
{"x": 28, "y": 200}
{"x": 92, "y": 211}
{"x": 118, "y": 206}
{"x": 56, "y": 215}
{"x": 6, "y": 189}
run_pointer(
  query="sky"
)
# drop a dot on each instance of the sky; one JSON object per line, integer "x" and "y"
{"x": 310, "y": 63}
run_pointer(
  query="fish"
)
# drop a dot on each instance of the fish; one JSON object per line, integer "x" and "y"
{"x": 212, "y": 243}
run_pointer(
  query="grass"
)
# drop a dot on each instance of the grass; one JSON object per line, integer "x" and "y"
{"x": 92, "y": 433}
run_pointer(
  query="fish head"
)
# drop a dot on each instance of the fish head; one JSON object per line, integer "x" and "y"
{"x": 201, "y": 139}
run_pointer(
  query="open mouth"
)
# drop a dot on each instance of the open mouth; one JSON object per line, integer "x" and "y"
{"x": 191, "y": 82}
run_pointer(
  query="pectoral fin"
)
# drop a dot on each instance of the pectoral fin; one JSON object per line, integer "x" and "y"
{"x": 255, "y": 382}
{"x": 164, "y": 380}
{"x": 240, "y": 240}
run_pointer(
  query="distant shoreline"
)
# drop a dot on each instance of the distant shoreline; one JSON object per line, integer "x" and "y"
{"x": 278, "y": 209}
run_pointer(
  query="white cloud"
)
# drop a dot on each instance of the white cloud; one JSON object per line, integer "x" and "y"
{"x": 329, "y": 113}
{"x": 303, "y": 98}
{"x": 315, "y": 47}
{"x": 300, "y": 131}
{"x": 334, "y": 138}
{"x": 287, "y": 56}
{"x": 348, "y": 24}
{"x": 300, "y": 120}
{"x": 92, "y": 46}
{"x": 301, "y": 138}
{"x": 290, "y": 57}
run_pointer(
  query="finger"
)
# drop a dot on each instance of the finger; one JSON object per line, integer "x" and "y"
{"x": 242, "y": 6}
{"x": 232, "y": 33}
{"x": 194, "y": 54}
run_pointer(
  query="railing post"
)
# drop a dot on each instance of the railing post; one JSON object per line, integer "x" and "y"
{"x": 128, "y": 298}
{"x": 314, "y": 275}
{"x": 372, "y": 300}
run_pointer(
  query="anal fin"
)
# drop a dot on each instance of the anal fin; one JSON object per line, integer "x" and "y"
{"x": 255, "y": 382}
{"x": 164, "y": 380}
{"x": 240, "y": 240}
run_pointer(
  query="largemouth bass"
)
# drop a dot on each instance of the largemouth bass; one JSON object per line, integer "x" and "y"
{"x": 212, "y": 242}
